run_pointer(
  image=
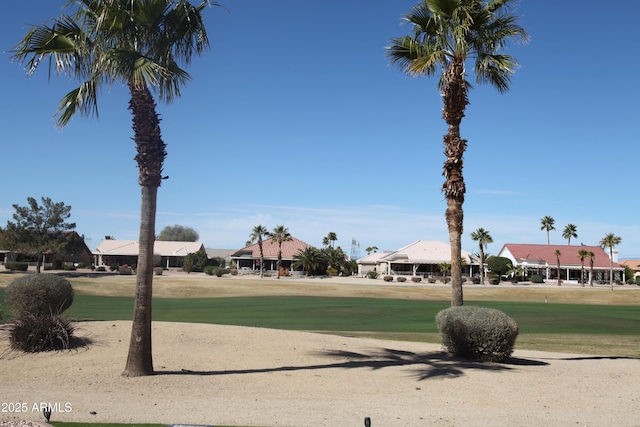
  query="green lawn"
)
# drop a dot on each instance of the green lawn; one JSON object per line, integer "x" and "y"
{"x": 600, "y": 329}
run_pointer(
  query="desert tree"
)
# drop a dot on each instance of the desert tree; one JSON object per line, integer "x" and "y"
{"x": 546, "y": 224}
{"x": 143, "y": 45}
{"x": 483, "y": 237}
{"x": 570, "y": 230}
{"x": 445, "y": 34}
{"x": 178, "y": 233}
{"x": 610, "y": 240}
{"x": 257, "y": 234}
{"x": 37, "y": 228}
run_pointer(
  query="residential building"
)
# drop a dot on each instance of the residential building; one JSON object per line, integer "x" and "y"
{"x": 633, "y": 264}
{"x": 169, "y": 254}
{"x": 420, "y": 258}
{"x": 247, "y": 259}
{"x": 542, "y": 260}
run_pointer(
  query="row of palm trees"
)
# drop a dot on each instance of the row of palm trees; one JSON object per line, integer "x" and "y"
{"x": 279, "y": 235}
{"x": 570, "y": 230}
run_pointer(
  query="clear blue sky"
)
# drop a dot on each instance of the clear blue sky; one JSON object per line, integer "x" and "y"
{"x": 295, "y": 117}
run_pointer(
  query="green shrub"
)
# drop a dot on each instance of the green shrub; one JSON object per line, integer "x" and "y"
{"x": 431, "y": 280}
{"x": 39, "y": 294}
{"x": 36, "y": 332}
{"x": 372, "y": 274}
{"x": 479, "y": 333}
{"x": 388, "y": 278}
{"x": 126, "y": 271}
{"x": 638, "y": 280}
{"x": 56, "y": 264}
{"x": 209, "y": 269}
{"x": 401, "y": 279}
{"x": 476, "y": 280}
{"x": 16, "y": 266}
{"x": 157, "y": 271}
{"x": 416, "y": 279}
{"x": 218, "y": 271}
{"x": 101, "y": 268}
{"x": 331, "y": 272}
{"x": 536, "y": 279}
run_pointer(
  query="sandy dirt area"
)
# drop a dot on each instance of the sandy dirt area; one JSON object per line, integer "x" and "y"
{"x": 228, "y": 375}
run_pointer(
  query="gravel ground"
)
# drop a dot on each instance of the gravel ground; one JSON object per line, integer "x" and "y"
{"x": 229, "y": 375}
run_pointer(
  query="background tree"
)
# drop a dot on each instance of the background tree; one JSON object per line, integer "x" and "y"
{"x": 610, "y": 241}
{"x": 582, "y": 254}
{"x": 330, "y": 239}
{"x": 335, "y": 257}
{"x": 499, "y": 265}
{"x": 178, "y": 233}
{"x": 547, "y": 224}
{"x": 570, "y": 231}
{"x": 591, "y": 257}
{"x": 445, "y": 34}
{"x": 257, "y": 233}
{"x": 483, "y": 238}
{"x": 140, "y": 44}
{"x": 279, "y": 235}
{"x": 38, "y": 228}
{"x": 310, "y": 259}
{"x": 196, "y": 261}
{"x": 557, "y": 253}
{"x": 444, "y": 268}
{"x": 370, "y": 249}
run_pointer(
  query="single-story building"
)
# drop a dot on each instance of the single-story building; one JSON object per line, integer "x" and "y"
{"x": 633, "y": 264}
{"x": 543, "y": 261}
{"x": 224, "y": 254}
{"x": 247, "y": 259}
{"x": 111, "y": 252}
{"x": 420, "y": 258}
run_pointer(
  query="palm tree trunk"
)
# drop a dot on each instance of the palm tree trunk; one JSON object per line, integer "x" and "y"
{"x": 150, "y": 158}
{"x": 455, "y": 101}
{"x": 140, "y": 359}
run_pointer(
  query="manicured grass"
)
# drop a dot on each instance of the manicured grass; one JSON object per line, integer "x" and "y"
{"x": 543, "y": 326}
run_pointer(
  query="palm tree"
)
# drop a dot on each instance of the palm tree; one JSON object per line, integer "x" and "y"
{"x": 279, "y": 235}
{"x": 330, "y": 239}
{"x": 547, "y": 224}
{"x": 610, "y": 241}
{"x": 570, "y": 231}
{"x": 445, "y": 34}
{"x": 257, "y": 233}
{"x": 335, "y": 257}
{"x": 591, "y": 257}
{"x": 483, "y": 238}
{"x": 557, "y": 253}
{"x": 138, "y": 43}
{"x": 309, "y": 259}
{"x": 582, "y": 254}
{"x": 371, "y": 249}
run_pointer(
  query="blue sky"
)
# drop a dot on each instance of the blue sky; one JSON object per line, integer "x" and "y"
{"x": 295, "y": 117}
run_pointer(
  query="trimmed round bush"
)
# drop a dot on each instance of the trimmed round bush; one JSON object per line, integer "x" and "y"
{"x": 536, "y": 279}
{"x": 479, "y": 333}
{"x": 401, "y": 279}
{"x": 39, "y": 294}
{"x": 157, "y": 271}
{"x": 16, "y": 266}
{"x": 416, "y": 279}
{"x": 388, "y": 278}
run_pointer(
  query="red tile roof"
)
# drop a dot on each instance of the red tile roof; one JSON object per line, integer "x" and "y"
{"x": 568, "y": 257}
{"x": 270, "y": 249}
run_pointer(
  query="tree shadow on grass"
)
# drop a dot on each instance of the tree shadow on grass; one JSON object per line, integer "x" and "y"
{"x": 424, "y": 365}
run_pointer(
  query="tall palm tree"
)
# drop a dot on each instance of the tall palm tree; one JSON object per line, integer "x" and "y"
{"x": 371, "y": 249}
{"x": 570, "y": 231}
{"x": 483, "y": 238}
{"x": 445, "y": 34}
{"x": 547, "y": 224}
{"x": 610, "y": 241}
{"x": 257, "y": 233}
{"x": 582, "y": 254}
{"x": 330, "y": 239}
{"x": 140, "y": 44}
{"x": 591, "y": 257}
{"x": 557, "y": 253}
{"x": 279, "y": 235}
